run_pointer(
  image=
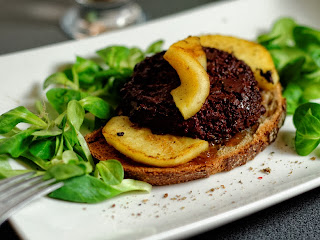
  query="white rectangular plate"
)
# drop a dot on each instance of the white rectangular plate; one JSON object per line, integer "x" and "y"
{"x": 191, "y": 207}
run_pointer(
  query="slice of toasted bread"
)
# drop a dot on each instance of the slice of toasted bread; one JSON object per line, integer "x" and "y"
{"x": 242, "y": 148}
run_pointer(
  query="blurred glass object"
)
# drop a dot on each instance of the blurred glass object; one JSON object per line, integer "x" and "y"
{"x": 93, "y": 17}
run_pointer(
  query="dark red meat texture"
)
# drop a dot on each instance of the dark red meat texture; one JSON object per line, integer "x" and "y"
{"x": 234, "y": 102}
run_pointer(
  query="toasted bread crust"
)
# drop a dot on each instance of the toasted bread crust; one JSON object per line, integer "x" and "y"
{"x": 217, "y": 159}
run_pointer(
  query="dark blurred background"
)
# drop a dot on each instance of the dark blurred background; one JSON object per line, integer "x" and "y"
{"x": 27, "y": 24}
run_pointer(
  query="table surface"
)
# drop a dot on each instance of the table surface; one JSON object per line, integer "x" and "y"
{"x": 26, "y": 24}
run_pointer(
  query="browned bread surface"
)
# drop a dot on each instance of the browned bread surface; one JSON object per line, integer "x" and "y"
{"x": 242, "y": 148}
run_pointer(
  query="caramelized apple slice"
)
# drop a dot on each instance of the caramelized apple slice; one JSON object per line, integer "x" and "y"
{"x": 190, "y": 62}
{"x": 253, "y": 54}
{"x": 142, "y": 146}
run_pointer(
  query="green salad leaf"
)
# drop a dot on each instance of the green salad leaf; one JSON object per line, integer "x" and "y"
{"x": 89, "y": 189}
{"x": 85, "y": 189}
{"x": 128, "y": 185}
{"x": 53, "y": 145}
{"x": 294, "y": 96}
{"x": 64, "y": 171}
{"x": 17, "y": 144}
{"x": 17, "y": 115}
{"x": 110, "y": 171}
{"x": 307, "y": 122}
{"x": 59, "y": 78}
{"x": 43, "y": 148}
{"x": 295, "y": 50}
{"x": 97, "y": 107}
{"x": 280, "y": 34}
{"x": 118, "y": 57}
{"x": 155, "y": 47}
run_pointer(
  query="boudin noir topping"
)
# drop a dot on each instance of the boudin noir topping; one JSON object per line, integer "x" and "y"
{"x": 234, "y": 102}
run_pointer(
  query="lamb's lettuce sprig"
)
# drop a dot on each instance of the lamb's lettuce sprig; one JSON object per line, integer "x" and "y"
{"x": 44, "y": 143}
{"x": 107, "y": 183}
{"x": 55, "y": 146}
{"x": 102, "y": 78}
{"x": 307, "y": 122}
{"x": 295, "y": 50}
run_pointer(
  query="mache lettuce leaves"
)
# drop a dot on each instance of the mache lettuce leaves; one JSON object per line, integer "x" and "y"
{"x": 295, "y": 50}
{"x": 82, "y": 97}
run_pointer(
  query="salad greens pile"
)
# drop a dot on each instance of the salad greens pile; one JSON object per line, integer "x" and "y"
{"x": 295, "y": 50}
{"x": 83, "y": 96}
{"x": 306, "y": 119}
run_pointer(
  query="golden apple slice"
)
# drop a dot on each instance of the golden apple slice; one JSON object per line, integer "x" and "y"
{"x": 255, "y": 55}
{"x": 142, "y": 146}
{"x": 189, "y": 60}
